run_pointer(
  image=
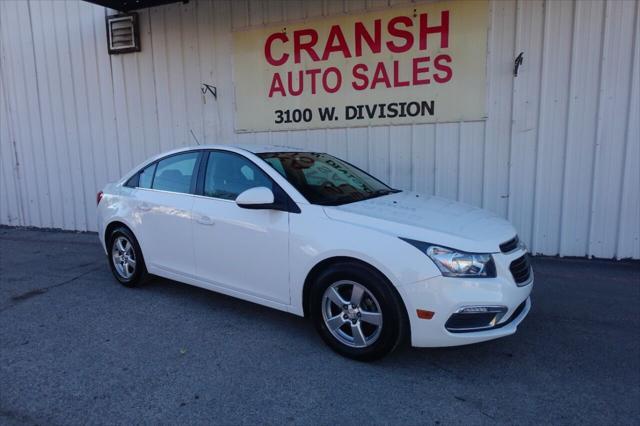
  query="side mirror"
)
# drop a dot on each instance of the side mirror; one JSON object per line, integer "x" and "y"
{"x": 259, "y": 197}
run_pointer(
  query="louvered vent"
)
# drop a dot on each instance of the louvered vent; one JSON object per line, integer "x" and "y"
{"x": 122, "y": 33}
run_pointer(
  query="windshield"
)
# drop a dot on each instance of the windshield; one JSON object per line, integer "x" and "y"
{"x": 324, "y": 179}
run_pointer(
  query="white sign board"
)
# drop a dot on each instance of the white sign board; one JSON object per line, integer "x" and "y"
{"x": 417, "y": 64}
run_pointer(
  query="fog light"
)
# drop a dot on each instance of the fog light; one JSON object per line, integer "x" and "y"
{"x": 475, "y": 318}
{"x": 474, "y": 309}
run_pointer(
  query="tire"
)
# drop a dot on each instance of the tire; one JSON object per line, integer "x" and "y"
{"x": 370, "y": 324}
{"x": 125, "y": 258}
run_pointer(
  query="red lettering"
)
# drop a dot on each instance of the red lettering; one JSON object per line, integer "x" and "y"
{"x": 374, "y": 43}
{"x": 335, "y": 34}
{"x": 277, "y": 86}
{"x": 267, "y": 49}
{"x": 307, "y": 46}
{"x": 442, "y": 29}
{"x": 359, "y": 73}
{"x": 313, "y": 73}
{"x": 446, "y": 69}
{"x": 417, "y": 70}
{"x": 396, "y": 76}
{"x": 399, "y": 33}
{"x": 293, "y": 92}
{"x": 380, "y": 76}
{"x": 325, "y": 77}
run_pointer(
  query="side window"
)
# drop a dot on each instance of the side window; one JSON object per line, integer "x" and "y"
{"x": 229, "y": 174}
{"x": 146, "y": 176}
{"x": 174, "y": 173}
{"x": 142, "y": 179}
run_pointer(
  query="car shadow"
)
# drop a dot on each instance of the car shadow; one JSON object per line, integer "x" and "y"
{"x": 303, "y": 333}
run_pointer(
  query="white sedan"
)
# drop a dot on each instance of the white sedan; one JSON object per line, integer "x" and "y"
{"x": 310, "y": 234}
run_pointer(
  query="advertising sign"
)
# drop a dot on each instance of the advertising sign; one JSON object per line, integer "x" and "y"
{"x": 417, "y": 64}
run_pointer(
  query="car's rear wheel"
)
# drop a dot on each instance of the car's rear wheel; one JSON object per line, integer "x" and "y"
{"x": 125, "y": 257}
{"x": 356, "y": 311}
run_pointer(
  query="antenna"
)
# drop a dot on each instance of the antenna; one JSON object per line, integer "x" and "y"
{"x": 194, "y": 137}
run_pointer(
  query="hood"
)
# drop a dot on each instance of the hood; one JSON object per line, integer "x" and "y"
{"x": 430, "y": 219}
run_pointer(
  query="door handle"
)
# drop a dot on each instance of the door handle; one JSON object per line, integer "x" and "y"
{"x": 205, "y": 220}
{"x": 144, "y": 207}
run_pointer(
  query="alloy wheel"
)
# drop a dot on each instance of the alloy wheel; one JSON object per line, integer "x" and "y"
{"x": 123, "y": 257}
{"x": 352, "y": 314}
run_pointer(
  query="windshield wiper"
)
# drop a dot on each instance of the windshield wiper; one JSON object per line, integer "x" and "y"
{"x": 380, "y": 192}
{"x": 347, "y": 199}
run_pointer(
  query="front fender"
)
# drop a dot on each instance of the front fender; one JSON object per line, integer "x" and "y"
{"x": 314, "y": 238}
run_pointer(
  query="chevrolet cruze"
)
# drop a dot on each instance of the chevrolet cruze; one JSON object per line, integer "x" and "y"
{"x": 313, "y": 235}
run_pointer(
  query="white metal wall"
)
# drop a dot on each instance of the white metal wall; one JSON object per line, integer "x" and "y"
{"x": 559, "y": 154}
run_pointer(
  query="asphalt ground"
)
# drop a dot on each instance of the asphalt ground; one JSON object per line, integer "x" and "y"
{"x": 78, "y": 348}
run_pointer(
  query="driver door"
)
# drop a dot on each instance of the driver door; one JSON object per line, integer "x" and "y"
{"x": 244, "y": 250}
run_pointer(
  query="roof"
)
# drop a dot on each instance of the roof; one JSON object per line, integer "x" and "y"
{"x": 253, "y": 148}
{"x": 269, "y": 148}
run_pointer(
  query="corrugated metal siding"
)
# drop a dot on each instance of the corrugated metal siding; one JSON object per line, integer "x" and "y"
{"x": 559, "y": 154}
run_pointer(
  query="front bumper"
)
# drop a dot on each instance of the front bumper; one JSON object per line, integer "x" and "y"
{"x": 447, "y": 297}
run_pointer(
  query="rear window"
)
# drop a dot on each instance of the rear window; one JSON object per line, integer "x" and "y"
{"x": 143, "y": 178}
{"x": 146, "y": 176}
{"x": 175, "y": 173}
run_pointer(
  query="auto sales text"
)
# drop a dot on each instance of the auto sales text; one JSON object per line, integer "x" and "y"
{"x": 401, "y": 34}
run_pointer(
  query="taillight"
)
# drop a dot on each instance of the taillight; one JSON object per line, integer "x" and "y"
{"x": 99, "y": 197}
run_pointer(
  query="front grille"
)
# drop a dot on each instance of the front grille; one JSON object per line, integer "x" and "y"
{"x": 521, "y": 269}
{"x": 509, "y": 246}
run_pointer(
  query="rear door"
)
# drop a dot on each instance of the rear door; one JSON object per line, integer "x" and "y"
{"x": 164, "y": 214}
{"x": 240, "y": 249}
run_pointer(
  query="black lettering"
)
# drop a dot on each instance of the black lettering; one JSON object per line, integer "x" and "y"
{"x": 392, "y": 110}
{"x": 327, "y": 113}
{"x": 382, "y": 114}
{"x": 413, "y": 109}
{"x": 350, "y": 112}
{"x": 428, "y": 107}
{"x": 371, "y": 111}
{"x": 403, "y": 112}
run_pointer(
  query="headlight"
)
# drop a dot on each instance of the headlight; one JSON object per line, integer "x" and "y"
{"x": 456, "y": 263}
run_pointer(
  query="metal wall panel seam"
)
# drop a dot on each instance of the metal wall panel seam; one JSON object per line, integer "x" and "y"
{"x": 9, "y": 143}
{"x": 90, "y": 74}
{"x": 25, "y": 119}
{"x": 13, "y": 111}
{"x": 78, "y": 71}
{"x": 517, "y": 19}
{"x": 567, "y": 130}
{"x": 545, "y": 41}
{"x": 155, "y": 82}
{"x": 50, "y": 120}
{"x": 113, "y": 105}
{"x": 41, "y": 127}
{"x": 618, "y": 34}
{"x": 70, "y": 108}
{"x": 634, "y": 52}
{"x": 589, "y": 252}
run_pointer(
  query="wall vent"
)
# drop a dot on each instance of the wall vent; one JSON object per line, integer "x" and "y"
{"x": 123, "y": 34}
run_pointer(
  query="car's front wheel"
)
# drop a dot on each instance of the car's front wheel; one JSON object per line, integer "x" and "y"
{"x": 356, "y": 311}
{"x": 125, "y": 257}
